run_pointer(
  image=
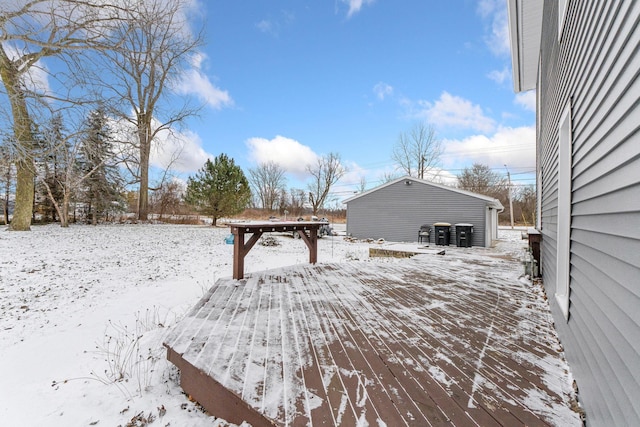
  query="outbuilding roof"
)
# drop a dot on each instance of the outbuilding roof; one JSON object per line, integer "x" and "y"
{"x": 491, "y": 202}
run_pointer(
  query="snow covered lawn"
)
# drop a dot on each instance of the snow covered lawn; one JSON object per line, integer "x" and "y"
{"x": 83, "y": 313}
{"x": 74, "y": 301}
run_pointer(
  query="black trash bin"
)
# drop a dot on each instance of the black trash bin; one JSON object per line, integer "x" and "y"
{"x": 442, "y": 232}
{"x": 464, "y": 235}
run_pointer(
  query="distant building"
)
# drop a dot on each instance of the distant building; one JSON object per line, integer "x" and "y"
{"x": 582, "y": 58}
{"x": 395, "y": 211}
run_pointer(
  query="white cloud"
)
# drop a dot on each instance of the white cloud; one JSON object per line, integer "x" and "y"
{"x": 195, "y": 82}
{"x": 197, "y": 59}
{"x": 275, "y": 25}
{"x": 526, "y": 100}
{"x": 179, "y": 151}
{"x": 494, "y": 12}
{"x": 500, "y": 76}
{"x": 265, "y": 26}
{"x": 286, "y": 152}
{"x": 356, "y": 5}
{"x": 512, "y": 146}
{"x": 37, "y": 79}
{"x": 454, "y": 111}
{"x": 382, "y": 90}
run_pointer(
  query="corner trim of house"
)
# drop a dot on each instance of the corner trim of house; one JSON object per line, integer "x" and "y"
{"x": 563, "y": 303}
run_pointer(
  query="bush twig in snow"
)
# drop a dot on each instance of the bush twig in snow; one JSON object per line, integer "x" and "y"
{"x": 128, "y": 359}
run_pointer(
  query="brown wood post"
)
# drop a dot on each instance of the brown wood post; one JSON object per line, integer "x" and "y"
{"x": 240, "y": 249}
{"x": 313, "y": 249}
{"x": 311, "y": 240}
{"x": 238, "y": 255}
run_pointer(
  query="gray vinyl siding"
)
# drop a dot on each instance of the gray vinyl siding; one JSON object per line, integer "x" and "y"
{"x": 596, "y": 66}
{"x": 396, "y": 212}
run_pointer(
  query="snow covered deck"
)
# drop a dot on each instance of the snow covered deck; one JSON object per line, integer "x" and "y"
{"x": 430, "y": 340}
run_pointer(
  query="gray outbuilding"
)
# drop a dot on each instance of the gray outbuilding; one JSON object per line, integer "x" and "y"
{"x": 395, "y": 211}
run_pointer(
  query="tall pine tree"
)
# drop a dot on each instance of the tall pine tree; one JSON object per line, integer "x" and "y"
{"x": 219, "y": 189}
{"x": 103, "y": 185}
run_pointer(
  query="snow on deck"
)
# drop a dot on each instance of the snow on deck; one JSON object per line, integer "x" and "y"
{"x": 431, "y": 340}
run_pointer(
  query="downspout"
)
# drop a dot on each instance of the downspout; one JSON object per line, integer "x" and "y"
{"x": 494, "y": 231}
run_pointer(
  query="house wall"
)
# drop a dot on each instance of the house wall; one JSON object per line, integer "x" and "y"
{"x": 397, "y": 211}
{"x": 595, "y": 68}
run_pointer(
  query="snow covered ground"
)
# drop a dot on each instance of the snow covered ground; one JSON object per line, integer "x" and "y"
{"x": 83, "y": 312}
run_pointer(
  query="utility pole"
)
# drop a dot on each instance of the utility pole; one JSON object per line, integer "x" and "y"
{"x": 510, "y": 201}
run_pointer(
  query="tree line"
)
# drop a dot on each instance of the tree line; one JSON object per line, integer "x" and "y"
{"x": 221, "y": 188}
{"x": 417, "y": 153}
{"x": 116, "y": 57}
{"x": 84, "y": 132}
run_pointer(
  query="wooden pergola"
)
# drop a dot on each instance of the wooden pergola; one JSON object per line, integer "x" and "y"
{"x": 308, "y": 231}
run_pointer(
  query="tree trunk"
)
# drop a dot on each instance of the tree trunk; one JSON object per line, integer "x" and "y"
{"x": 64, "y": 219}
{"x": 94, "y": 211}
{"x": 25, "y": 171}
{"x": 25, "y": 190}
{"x": 7, "y": 193}
{"x": 64, "y": 214}
{"x": 144, "y": 132}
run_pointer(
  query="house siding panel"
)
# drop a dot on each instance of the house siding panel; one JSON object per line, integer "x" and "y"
{"x": 596, "y": 65}
{"x": 396, "y": 212}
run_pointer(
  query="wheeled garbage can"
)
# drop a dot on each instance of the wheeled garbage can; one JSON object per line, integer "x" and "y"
{"x": 442, "y": 232}
{"x": 464, "y": 235}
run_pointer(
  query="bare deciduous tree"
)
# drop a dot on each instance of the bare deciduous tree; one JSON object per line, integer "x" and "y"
{"x": 325, "y": 173}
{"x": 168, "y": 199}
{"x": 31, "y": 31}
{"x": 389, "y": 176}
{"x": 417, "y": 151}
{"x": 525, "y": 204}
{"x": 481, "y": 179}
{"x": 157, "y": 43}
{"x": 267, "y": 180}
{"x": 362, "y": 186}
{"x": 293, "y": 201}
{"x": 71, "y": 152}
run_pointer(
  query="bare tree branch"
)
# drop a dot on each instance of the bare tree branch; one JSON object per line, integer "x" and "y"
{"x": 29, "y": 32}
{"x": 418, "y": 151}
{"x": 154, "y": 52}
{"x": 267, "y": 180}
{"x": 325, "y": 173}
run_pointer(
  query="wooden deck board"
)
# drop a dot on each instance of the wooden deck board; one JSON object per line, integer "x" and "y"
{"x": 403, "y": 331}
{"x": 364, "y": 360}
{"x": 468, "y": 359}
{"x": 343, "y": 344}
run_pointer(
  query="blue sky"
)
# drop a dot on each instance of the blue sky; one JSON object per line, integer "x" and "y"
{"x": 289, "y": 80}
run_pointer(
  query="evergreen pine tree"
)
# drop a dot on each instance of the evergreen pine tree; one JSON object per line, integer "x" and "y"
{"x": 219, "y": 189}
{"x": 103, "y": 186}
